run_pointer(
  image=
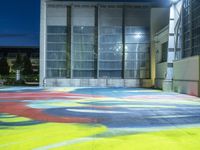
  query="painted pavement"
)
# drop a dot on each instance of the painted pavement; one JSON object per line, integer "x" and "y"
{"x": 98, "y": 119}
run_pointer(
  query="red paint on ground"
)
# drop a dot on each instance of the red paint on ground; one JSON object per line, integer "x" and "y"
{"x": 20, "y": 109}
{"x": 42, "y": 96}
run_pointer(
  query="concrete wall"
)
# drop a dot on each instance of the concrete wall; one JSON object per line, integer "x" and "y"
{"x": 98, "y": 82}
{"x": 159, "y": 19}
{"x": 160, "y": 38}
{"x": 42, "y": 41}
{"x": 161, "y": 68}
{"x": 186, "y": 77}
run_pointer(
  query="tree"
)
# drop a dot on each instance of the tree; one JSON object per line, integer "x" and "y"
{"x": 27, "y": 66}
{"x": 4, "y": 67}
{"x": 18, "y": 67}
{"x": 18, "y": 63}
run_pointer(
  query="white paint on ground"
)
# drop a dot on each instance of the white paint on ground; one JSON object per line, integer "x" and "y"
{"x": 173, "y": 116}
{"x": 66, "y": 143}
{"x": 96, "y": 111}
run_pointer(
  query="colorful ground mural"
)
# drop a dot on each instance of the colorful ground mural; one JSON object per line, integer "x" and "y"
{"x": 98, "y": 119}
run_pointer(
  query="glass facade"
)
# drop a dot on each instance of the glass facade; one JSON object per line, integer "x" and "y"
{"x": 56, "y": 41}
{"x": 191, "y": 28}
{"x": 110, "y": 52}
{"x": 195, "y": 27}
{"x": 186, "y": 29}
{"x": 104, "y": 42}
{"x": 83, "y": 42}
{"x": 137, "y": 41}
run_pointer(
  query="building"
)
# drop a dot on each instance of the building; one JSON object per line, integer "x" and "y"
{"x": 98, "y": 43}
{"x": 11, "y": 53}
{"x": 121, "y": 44}
{"x": 178, "y": 49}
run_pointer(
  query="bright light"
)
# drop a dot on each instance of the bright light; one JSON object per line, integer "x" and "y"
{"x": 126, "y": 47}
{"x": 118, "y": 48}
{"x": 174, "y": 1}
{"x": 138, "y": 35}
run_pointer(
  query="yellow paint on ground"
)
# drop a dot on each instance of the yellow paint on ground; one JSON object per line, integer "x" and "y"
{"x": 179, "y": 139}
{"x": 13, "y": 119}
{"x": 33, "y": 136}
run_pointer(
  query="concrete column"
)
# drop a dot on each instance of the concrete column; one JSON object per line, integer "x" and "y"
{"x": 175, "y": 10}
{"x": 69, "y": 43}
{"x": 96, "y": 45}
{"x": 167, "y": 85}
{"x": 42, "y": 43}
{"x": 123, "y": 42}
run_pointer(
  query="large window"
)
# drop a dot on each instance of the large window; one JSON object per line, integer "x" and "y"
{"x": 191, "y": 28}
{"x": 137, "y": 41}
{"x": 83, "y": 42}
{"x": 164, "y": 48}
{"x": 186, "y": 29}
{"x": 97, "y": 42}
{"x": 195, "y": 27}
{"x": 110, "y": 51}
{"x": 56, "y": 41}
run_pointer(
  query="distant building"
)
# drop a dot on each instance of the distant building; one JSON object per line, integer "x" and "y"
{"x": 11, "y": 53}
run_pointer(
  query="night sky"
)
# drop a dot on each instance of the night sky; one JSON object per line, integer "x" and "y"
{"x": 19, "y": 21}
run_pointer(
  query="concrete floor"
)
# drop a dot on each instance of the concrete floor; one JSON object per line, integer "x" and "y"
{"x": 98, "y": 119}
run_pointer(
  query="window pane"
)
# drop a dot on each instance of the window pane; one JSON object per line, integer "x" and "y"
{"x": 56, "y": 51}
{"x": 83, "y": 42}
{"x": 110, "y": 51}
{"x": 137, "y": 39}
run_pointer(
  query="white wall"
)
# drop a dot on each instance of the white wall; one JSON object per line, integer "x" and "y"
{"x": 187, "y": 69}
{"x": 187, "y": 76}
{"x": 161, "y": 70}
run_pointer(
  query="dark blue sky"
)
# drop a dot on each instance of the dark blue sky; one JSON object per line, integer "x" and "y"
{"x": 19, "y": 21}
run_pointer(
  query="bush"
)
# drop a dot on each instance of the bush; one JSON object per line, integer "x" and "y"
{"x": 31, "y": 78}
{"x": 20, "y": 82}
{"x": 11, "y": 81}
{"x": 4, "y": 67}
{"x": 27, "y": 66}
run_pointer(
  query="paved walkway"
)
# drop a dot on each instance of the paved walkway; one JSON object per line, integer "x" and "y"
{"x": 96, "y": 118}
